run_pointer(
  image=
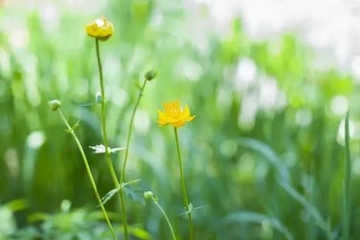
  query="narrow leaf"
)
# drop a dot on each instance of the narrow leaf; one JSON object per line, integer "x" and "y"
{"x": 251, "y": 217}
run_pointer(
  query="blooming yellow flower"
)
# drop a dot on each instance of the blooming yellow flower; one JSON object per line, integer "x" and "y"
{"x": 174, "y": 115}
{"x": 100, "y": 28}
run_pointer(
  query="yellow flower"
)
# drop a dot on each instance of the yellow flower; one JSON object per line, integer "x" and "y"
{"x": 100, "y": 28}
{"x": 174, "y": 115}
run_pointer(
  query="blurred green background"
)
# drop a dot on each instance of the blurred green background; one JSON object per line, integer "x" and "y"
{"x": 264, "y": 157}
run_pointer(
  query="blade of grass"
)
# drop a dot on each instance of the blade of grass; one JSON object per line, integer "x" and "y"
{"x": 267, "y": 152}
{"x": 346, "y": 184}
{"x": 283, "y": 180}
{"x": 251, "y": 217}
{"x": 320, "y": 222}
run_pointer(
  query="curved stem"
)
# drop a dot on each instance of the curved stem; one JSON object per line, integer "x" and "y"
{"x": 127, "y": 147}
{"x": 166, "y": 217}
{"x": 183, "y": 186}
{"x": 88, "y": 170}
{"x": 106, "y": 142}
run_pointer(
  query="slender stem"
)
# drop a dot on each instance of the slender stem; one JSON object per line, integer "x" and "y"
{"x": 91, "y": 178}
{"x": 347, "y": 201}
{"x": 126, "y": 154}
{"x": 183, "y": 186}
{"x": 103, "y": 118}
{"x": 106, "y": 142}
{"x": 166, "y": 217}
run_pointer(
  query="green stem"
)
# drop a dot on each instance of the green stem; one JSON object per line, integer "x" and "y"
{"x": 347, "y": 201}
{"x": 183, "y": 186}
{"x": 127, "y": 147}
{"x": 91, "y": 178}
{"x": 106, "y": 143}
{"x": 126, "y": 154}
{"x": 166, "y": 217}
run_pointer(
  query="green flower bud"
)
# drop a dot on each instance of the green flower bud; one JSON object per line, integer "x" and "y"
{"x": 150, "y": 75}
{"x": 54, "y": 104}
{"x": 148, "y": 194}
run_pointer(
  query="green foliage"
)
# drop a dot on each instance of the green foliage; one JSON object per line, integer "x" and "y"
{"x": 278, "y": 175}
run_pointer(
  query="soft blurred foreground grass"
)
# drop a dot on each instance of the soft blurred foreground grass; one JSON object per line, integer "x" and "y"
{"x": 264, "y": 158}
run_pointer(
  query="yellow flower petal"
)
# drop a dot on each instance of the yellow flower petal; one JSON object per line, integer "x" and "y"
{"x": 186, "y": 112}
{"x": 174, "y": 115}
{"x": 178, "y": 124}
{"x": 100, "y": 29}
{"x": 190, "y": 118}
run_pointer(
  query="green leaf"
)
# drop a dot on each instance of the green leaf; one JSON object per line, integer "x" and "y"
{"x": 268, "y": 154}
{"x": 75, "y": 126}
{"x": 346, "y": 184}
{"x": 252, "y": 217}
{"x": 109, "y": 195}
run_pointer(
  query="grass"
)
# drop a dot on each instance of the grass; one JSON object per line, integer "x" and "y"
{"x": 280, "y": 174}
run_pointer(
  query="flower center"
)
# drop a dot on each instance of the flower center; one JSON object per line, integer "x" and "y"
{"x": 173, "y": 109}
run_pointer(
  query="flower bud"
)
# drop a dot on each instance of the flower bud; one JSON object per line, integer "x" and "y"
{"x": 54, "y": 104}
{"x": 150, "y": 75}
{"x": 100, "y": 29}
{"x": 148, "y": 194}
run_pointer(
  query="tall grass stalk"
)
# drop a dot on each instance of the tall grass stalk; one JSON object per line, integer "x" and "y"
{"x": 88, "y": 170}
{"x": 106, "y": 142}
{"x": 346, "y": 184}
